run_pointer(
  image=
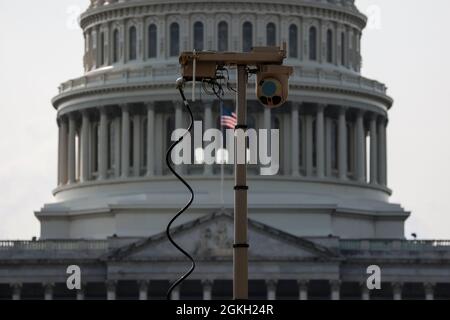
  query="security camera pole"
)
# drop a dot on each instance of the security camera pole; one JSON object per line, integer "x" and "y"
{"x": 201, "y": 66}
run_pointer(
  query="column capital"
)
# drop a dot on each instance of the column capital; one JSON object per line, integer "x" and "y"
{"x": 429, "y": 285}
{"x": 124, "y": 107}
{"x": 16, "y": 285}
{"x": 296, "y": 106}
{"x": 177, "y": 104}
{"x": 343, "y": 109}
{"x": 143, "y": 284}
{"x": 150, "y": 105}
{"x": 321, "y": 107}
{"x": 303, "y": 283}
{"x": 397, "y": 285}
{"x": 110, "y": 285}
{"x": 271, "y": 283}
{"x": 335, "y": 284}
{"x": 207, "y": 282}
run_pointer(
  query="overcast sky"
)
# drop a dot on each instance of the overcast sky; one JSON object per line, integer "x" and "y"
{"x": 405, "y": 46}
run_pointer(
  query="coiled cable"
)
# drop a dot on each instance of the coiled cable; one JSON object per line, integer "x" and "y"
{"x": 169, "y": 226}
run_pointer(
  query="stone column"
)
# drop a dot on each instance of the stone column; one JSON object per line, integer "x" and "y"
{"x": 397, "y": 290}
{"x": 320, "y": 141}
{"x": 125, "y": 141}
{"x": 110, "y": 290}
{"x": 329, "y": 137}
{"x": 382, "y": 152}
{"x": 63, "y": 176}
{"x": 103, "y": 145}
{"x": 360, "y": 148}
{"x": 175, "y": 294}
{"x": 271, "y": 290}
{"x": 373, "y": 150}
{"x": 150, "y": 139}
{"x": 342, "y": 144}
{"x": 48, "y": 291}
{"x": 365, "y": 292}
{"x": 81, "y": 293}
{"x": 117, "y": 141}
{"x": 208, "y": 169}
{"x": 309, "y": 145}
{"x": 16, "y": 291}
{"x": 85, "y": 125}
{"x": 71, "y": 149}
{"x": 295, "y": 127}
{"x": 303, "y": 290}
{"x": 207, "y": 290}
{"x": 178, "y": 125}
{"x": 137, "y": 145}
{"x": 429, "y": 291}
{"x": 335, "y": 290}
{"x": 143, "y": 290}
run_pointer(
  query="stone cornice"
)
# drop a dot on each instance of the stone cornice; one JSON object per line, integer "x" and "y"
{"x": 139, "y": 9}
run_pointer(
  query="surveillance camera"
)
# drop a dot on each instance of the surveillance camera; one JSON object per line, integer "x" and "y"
{"x": 272, "y": 87}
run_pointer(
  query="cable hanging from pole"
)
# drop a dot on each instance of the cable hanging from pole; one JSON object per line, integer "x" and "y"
{"x": 169, "y": 226}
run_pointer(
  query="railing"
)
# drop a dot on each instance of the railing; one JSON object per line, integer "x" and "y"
{"x": 157, "y": 75}
{"x": 59, "y": 245}
{"x": 388, "y": 245}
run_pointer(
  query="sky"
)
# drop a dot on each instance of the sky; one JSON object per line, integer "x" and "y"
{"x": 405, "y": 46}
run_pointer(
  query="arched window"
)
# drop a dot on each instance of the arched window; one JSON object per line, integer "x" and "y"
{"x": 132, "y": 44}
{"x": 271, "y": 31}
{"x": 115, "y": 46}
{"x": 174, "y": 39}
{"x": 343, "y": 47}
{"x": 102, "y": 49}
{"x": 247, "y": 37}
{"x": 313, "y": 43}
{"x": 293, "y": 41}
{"x": 152, "y": 41}
{"x": 223, "y": 36}
{"x": 330, "y": 46}
{"x": 198, "y": 36}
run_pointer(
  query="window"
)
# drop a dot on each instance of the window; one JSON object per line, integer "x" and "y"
{"x": 329, "y": 46}
{"x": 102, "y": 49}
{"x": 132, "y": 41}
{"x": 174, "y": 39}
{"x": 313, "y": 44}
{"x": 247, "y": 37}
{"x": 115, "y": 45}
{"x": 152, "y": 41}
{"x": 198, "y": 36}
{"x": 271, "y": 34}
{"x": 343, "y": 47}
{"x": 223, "y": 36}
{"x": 293, "y": 41}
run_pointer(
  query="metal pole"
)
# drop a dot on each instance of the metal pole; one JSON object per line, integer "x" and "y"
{"x": 240, "y": 199}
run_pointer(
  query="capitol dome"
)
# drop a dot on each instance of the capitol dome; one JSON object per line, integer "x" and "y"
{"x": 115, "y": 122}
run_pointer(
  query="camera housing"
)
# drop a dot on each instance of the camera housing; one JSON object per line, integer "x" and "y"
{"x": 272, "y": 85}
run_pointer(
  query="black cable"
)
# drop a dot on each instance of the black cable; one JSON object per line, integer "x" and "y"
{"x": 168, "y": 161}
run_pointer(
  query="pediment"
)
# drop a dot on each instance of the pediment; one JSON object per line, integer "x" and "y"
{"x": 211, "y": 238}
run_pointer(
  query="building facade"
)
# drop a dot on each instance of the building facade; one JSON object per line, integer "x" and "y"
{"x": 315, "y": 227}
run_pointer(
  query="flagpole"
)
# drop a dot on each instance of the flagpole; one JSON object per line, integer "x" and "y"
{"x": 222, "y": 168}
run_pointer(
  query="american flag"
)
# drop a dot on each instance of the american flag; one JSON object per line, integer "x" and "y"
{"x": 228, "y": 118}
